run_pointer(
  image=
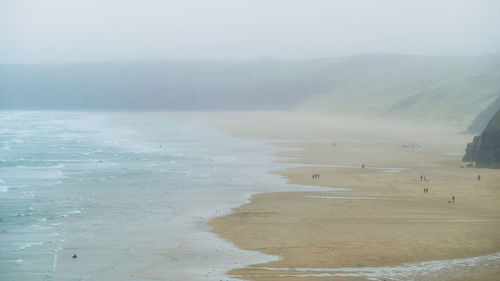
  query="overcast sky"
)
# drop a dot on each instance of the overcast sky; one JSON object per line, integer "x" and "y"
{"x": 95, "y": 30}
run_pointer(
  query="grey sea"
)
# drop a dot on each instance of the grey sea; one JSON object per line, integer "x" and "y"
{"x": 128, "y": 193}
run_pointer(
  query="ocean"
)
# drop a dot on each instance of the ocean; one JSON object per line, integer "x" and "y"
{"x": 128, "y": 193}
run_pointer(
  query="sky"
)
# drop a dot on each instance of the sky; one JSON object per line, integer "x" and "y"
{"x": 58, "y": 31}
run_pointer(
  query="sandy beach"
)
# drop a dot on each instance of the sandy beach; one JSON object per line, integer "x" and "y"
{"x": 380, "y": 220}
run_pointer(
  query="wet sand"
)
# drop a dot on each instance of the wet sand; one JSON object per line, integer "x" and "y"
{"x": 382, "y": 218}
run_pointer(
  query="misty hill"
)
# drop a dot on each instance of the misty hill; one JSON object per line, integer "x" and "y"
{"x": 444, "y": 88}
{"x": 484, "y": 117}
{"x": 485, "y": 148}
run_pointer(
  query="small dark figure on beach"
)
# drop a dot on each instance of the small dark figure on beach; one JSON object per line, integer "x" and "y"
{"x": 363, "y": 166}
{"x": 74, "y": 256}
{"x": 478, "y": 177}
{"x": 453, "y": 198}
{"x": 421, "y": 178}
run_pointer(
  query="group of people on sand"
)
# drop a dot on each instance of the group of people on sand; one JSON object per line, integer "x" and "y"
{"x": 425, "y": 178}
{"x": 315, "y": 176}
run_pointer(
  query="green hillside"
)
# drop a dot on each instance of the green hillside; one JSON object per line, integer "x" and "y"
{"x": 443, "y": 88}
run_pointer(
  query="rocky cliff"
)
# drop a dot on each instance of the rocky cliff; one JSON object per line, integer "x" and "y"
{"x": 485, "y": 148}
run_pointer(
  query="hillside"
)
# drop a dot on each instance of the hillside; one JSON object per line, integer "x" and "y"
{"x": 450, "y": 89}
{"x": 482, "y": 119}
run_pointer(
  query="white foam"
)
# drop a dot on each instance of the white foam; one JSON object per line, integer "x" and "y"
{"x": 13, "y": 261}
{"x": 75, "y": 212}
{"x": 29, "y": 245}
{"x": 4, "y": 188}
{"x": 56, "y": 253}
{"x": 53, "y": 174}
{"x": 410, "y": 271}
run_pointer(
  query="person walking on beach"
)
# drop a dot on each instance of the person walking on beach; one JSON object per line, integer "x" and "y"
{"x": 478, "y": 177}
{"x": 453, "y": 199}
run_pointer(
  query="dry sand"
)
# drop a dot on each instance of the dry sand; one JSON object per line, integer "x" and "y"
{"x": 382, "y": 217}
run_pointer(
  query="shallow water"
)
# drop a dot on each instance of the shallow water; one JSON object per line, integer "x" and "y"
{"x": 127, "y": 192}
{"x": 429, "y": 270}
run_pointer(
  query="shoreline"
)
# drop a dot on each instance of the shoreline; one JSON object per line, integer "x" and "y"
{"x": 403, "y": 226}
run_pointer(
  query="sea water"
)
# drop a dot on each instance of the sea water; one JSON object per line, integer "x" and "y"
{"x": 128, "y": 193}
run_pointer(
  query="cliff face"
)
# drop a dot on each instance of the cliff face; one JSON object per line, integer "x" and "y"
{"x": 482, "y": 119}
{"x": 485, "y": 148}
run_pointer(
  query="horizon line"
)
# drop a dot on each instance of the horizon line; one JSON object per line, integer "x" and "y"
{"x": 263, "y": 58}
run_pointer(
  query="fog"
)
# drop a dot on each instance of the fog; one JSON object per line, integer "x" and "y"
{"x": 55, "y": 31}
{"x": 407, "y": 59}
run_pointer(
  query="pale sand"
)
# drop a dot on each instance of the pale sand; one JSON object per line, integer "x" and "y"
{"x": 320, "y": 230}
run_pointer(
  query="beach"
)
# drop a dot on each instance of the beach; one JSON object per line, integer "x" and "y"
{"x": 380, "y": 225}
{"x": 231, "y": 196}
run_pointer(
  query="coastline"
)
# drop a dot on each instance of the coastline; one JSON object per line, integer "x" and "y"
{"x": 382, "y": 219}
{"x": 128, "y": 192}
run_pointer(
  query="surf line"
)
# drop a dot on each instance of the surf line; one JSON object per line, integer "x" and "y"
{"x": 409, "y": 270}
